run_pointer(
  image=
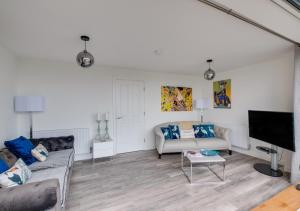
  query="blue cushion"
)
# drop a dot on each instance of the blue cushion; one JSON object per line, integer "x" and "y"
{"x": 166, "y": 132}
{"x": 3, "y": 166}
{"x": 204, "y": 131}
{"x": 210, "y": 129}
{"x": 175, "y": 132}
{"x": 197, "y": 131}
{"x": 21, "y": 147}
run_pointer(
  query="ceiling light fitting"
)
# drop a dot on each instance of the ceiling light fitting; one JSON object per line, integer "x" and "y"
{"x": 84, "y": 58}
{"x": 210, "y": 73}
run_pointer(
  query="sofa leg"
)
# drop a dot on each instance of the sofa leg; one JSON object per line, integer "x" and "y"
{"x": 159, "y": 156}
{"x": 230, "y": 152}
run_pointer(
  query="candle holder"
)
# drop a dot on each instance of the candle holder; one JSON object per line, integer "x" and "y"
{"x": 106, "y": 135}
{"x": 98, "y": 135}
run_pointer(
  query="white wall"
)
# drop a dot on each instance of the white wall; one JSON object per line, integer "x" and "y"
{"x": 7, "y": 91}
{"x": 74, "y": 95}
{"x": 295, "y": 172}
{"x": 263, "y": 86}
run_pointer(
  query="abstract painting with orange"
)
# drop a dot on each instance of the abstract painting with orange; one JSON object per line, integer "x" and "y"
{"x": 176, "y": 99}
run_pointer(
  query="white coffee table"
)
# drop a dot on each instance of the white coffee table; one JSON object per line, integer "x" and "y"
{"x": 201, "y": 159}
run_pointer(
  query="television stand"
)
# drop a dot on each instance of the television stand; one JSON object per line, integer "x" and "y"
{"x": 270, "y": 170}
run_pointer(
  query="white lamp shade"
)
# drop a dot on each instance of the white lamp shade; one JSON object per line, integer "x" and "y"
{"x": 202, "y": 103}
{"x": 29, "y": 103}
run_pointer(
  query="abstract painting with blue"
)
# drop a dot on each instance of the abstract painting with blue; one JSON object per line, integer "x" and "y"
{"x": 222, "y": 94}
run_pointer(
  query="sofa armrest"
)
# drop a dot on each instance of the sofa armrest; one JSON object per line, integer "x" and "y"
{"x": 223, "y": 133}
{"x": 37, "y": 196}
{"x": 159, "y": 139}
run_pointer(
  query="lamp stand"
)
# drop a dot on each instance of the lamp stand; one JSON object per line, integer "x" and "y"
{"x": 201, "y": 115}
{"x": 31, "y": 123}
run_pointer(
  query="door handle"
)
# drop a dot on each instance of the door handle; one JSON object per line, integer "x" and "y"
{"x": 119, "y": 117}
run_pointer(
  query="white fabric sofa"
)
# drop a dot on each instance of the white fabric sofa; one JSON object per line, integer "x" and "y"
{"x": 220, "y": 142}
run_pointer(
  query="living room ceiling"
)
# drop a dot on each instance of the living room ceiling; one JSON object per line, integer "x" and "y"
{"x": 155, "y": 35}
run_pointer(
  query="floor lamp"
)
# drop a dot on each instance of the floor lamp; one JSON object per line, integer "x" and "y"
{"x": 202, "y": 104}
{"x": 29, "y": 104}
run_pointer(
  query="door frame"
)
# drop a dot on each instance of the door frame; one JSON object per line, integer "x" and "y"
{"x": 114, "y": 122}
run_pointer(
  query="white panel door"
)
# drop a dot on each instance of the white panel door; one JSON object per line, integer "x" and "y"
{"x": 130, "y": 116}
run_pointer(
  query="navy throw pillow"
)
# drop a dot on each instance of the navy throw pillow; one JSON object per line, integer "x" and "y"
{"x": 175, "y": 132}
{"x": 3, "y": 166}
{"x": 21, "y": 147}
{"x": 197, "y": 131}
{"x": 204, "y": 131}
{"x": 210, "y": 129}
{"x": 166, "y": 132}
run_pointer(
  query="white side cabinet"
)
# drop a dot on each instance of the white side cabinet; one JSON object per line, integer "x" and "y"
{"x": 103, "y": 148}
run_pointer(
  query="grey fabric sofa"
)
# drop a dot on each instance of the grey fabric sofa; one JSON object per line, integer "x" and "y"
{"x": 47, "y": 189}
{"x": 220, "y": 142}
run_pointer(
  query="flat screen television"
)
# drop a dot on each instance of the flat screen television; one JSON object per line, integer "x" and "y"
{"x": 276, "y": 128}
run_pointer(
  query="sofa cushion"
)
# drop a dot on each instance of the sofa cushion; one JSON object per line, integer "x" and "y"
{"x": 40, "y": 153}
{"x": 187, "y": 134}
{"x": 210, "y": 130}
{"x": 55, "y": 159}
{"x": 211, "y": 143}
{"x": 60, "y": 173}
{"x": 55, "y": 143}
{"x": 3, "y": 166}
{"x": 166, "y": 132}
{"x": 18, "y": 174}
{"x": 186, "y": 125}
{"x": 179, "y": 145}
{"x": 175, "y": 132}
{"x": 21, "y": 147}
{"x": 8, "y": 157}
{"x": 204, "y": 131}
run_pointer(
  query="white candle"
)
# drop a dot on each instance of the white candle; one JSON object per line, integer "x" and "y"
{"x": 107, "y": 116}
{"x": 98, "y": 116}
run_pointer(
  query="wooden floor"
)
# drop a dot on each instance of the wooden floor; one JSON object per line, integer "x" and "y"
{"x": 139, "y": 181}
